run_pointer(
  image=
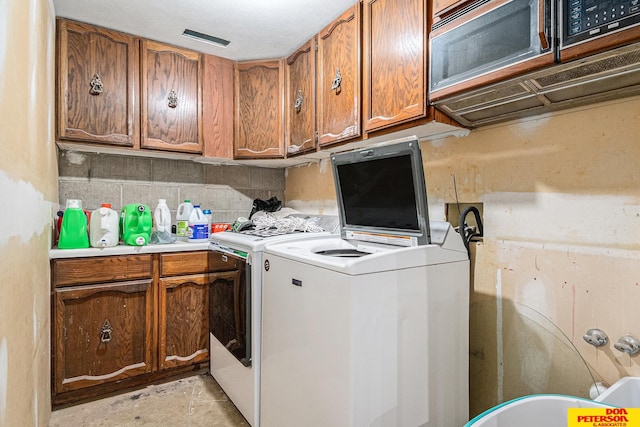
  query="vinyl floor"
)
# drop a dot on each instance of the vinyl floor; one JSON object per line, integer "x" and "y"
{"x": 189, "y": 402}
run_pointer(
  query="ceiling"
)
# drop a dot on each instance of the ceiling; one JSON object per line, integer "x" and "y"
{"x": 257, "y": 29}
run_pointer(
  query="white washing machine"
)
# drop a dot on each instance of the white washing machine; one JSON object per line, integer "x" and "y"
{"x": 369, "y": 328}
{"x": 373, "y": 340}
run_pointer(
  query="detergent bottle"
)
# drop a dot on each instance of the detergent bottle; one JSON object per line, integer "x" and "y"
{"x": 135, "y": 224}
{"x": 162, "y": 217}
{"x": 162, "y": 224}
{"x": 209, "y": 216}
{"x": 198, "y": 226}
{"x": 182, "y": 219}
{"x": 103, "y": 231}
{"x": 73, "y": 231}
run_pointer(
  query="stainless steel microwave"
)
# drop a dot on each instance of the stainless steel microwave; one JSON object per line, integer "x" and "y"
{"x": 489, "y": 41}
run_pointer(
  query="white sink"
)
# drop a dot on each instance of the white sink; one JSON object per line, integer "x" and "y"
{"x": 548, "y": 410}
{"x": 624, "y": 393}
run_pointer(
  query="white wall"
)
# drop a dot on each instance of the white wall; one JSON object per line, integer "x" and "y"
{"x": 561, "y": 254}
{"x": 28, "y": 189}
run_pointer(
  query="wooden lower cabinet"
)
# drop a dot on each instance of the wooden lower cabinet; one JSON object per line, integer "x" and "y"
{"x": 124, "y": 321}
{"x": 184, "y": 320}
{"x": 102, "y": 333}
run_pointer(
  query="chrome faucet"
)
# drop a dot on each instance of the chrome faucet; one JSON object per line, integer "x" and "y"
{"x": 596, "y": 337}
{"x": 628, "y": 344}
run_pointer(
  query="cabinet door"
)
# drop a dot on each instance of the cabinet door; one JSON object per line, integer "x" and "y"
{"x": 217, "y": 107}
{"x": 183, "y": 320}
{"x": 98, "y": 85}
{"x": 395, "y": 62}
{"x": 171, "y": 98}
{"x": 339, "y": 79}
{"x": 102, "y": 333}
{"x": 259, "y": 110}
{"x": 300, "y": 101}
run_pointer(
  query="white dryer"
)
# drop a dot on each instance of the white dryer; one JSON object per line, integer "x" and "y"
{"x": 372, "y": 340}
{"x": 235, "y": 312}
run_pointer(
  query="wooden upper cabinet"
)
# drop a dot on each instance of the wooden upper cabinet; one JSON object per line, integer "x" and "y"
{"x": 339, "y": 80}
{"x": 217, "y": 107}
{"x": 258, "y": 104}
{"x": 171, "y": 98}
{"x": 97, "y": 87}
{"x": 300, "y": 100}
{"x": 395, "y": 71}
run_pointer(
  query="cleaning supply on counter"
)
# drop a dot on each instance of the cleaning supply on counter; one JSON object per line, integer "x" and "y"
{"x": 217, "y": 227}
{"x": 198, "y": 226}
{"x": 182, "y": 219}
{"x": 162, "y": 216}
{"x": 57, "y": 226}
{"x": 73, "y": 231}
{"x": 207, "y": 214}
{"x": 135, "y": 224}
{"x": 103, "y": 230}
{"x": 162, "y": 224}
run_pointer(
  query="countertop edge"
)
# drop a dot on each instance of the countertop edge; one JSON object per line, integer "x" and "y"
{"x": 178, "y": 246}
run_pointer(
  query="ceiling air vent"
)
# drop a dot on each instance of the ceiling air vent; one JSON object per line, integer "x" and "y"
{"x": 205, "y": 38}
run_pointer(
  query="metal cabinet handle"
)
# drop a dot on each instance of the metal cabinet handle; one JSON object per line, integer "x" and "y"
{"x": 96, "y": 85}
{"x": 105, "y": 332}
{"x": 544, "y": 43}
{"x": 337, "y": 81}
{"x": 173, "y": 99}
{"x": 298, "y": 104}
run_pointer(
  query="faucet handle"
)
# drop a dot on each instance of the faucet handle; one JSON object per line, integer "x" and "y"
{"x": 596, "y": 337}
{"x": 628, "y": 344}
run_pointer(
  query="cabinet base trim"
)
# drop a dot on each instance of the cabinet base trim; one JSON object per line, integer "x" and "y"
{"x": 100, "y": 391}
{"x": 187, "y": 358}
{"x": 106, "y": 376}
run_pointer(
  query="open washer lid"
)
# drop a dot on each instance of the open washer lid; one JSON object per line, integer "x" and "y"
{"x": 381, "y": 193}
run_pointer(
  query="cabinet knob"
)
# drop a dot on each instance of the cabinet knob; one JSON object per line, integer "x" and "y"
{"x": 337, "y": 81}
{"x": 298, "y": 104}
{"x": 96, "y": 85}
{"x": 173, "y": 99}
{"x": 105, "y": 332}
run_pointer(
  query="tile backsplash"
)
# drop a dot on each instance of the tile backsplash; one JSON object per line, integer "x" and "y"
{"x": 227, "y": 190}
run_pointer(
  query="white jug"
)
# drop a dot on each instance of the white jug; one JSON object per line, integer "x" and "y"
{"x": 162, "y": 217}
{"x": 182, "y": 219}
{"x": 104, "y": 228}
{"x": 198, "y": 226}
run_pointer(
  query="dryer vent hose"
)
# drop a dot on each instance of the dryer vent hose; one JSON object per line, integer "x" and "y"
{"x": 468, "y": 233}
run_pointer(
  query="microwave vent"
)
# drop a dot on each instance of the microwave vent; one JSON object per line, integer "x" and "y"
{"x": 602, "y": 77}
{"x": 607, "y": 65}
{"x": 531, "y": 103}
{"x": 489, "y": 96}
{"x": 449, "y": 18}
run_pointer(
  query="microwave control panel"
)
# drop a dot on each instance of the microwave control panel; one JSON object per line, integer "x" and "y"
{"x": 585, "y": 19}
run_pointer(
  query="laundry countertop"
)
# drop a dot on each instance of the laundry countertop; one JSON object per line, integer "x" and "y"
{"x": 178, "y": 246}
